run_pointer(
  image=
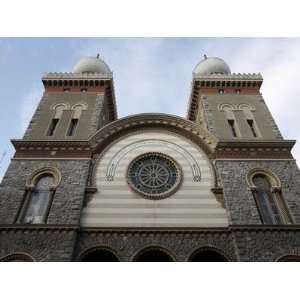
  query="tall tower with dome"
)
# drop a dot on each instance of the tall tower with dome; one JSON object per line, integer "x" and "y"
{"x": 85, "y": 185}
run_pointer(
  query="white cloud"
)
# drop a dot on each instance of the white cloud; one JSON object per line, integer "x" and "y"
{"x": 279, "y": 62}
{"x": 143, "y": 85}
{"x": 29, "y": 103}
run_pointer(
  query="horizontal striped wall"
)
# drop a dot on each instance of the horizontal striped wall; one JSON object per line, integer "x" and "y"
{"x": 116, "y": 205}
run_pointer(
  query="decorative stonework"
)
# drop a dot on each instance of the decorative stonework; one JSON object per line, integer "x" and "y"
{"x": 114, "y": 162}
{"x": 118, "y": 128}
{"x": 127, "y": 243}
{"x": 235, "y": 107}
{"x": 258, "y": 149}
{"x": 90, "y": 80}
{"x": 154, "y": 175}
{"x": 249, "y": 81}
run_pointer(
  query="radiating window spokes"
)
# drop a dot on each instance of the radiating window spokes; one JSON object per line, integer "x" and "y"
{"x": 154, "y": 175}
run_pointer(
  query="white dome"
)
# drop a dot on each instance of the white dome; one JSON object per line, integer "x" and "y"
{"x": 211, "y": 65}
{"x": 91, "y": 65}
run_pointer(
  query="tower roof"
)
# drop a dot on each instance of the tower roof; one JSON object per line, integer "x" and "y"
{"x": 90, "y": 64}
{"x": 211, "y": 65}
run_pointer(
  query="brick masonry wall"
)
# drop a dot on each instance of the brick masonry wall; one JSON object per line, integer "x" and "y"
{"x": 68, "y": 198}
{"x": 239, "y": 199}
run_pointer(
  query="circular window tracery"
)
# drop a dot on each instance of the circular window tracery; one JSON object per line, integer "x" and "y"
{"x": 154, "y": 175}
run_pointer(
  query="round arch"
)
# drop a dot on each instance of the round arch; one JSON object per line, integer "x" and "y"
{"x": 37, "y": 174}
{"x": 289, "y": 258}
{"x": 153, "y": 254}
{"x": 120, "y": 127}
{"x": 207, "y": 254}
{"x": 98, "y": 254}
{"x": 17, "y": 257}
{"x": 112, "y": 132}
{"x": 274, "y": 180}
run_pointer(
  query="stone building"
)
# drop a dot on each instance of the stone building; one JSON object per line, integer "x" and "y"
{"x": 218, "y": 185}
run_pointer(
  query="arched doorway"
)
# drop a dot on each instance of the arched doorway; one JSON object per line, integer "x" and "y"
{"x": 98, "y": 255}
{"x": 17, "y": 257}
{"x": 289, "y": 258}
{"x": 153, "y": 255}
{"x": 207, "y": 255}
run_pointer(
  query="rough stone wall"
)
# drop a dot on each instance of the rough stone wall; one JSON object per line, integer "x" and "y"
{"x": 180, "y": 245}
{"x": 239, "y": 200}
{"x": 68, "y": 198}
{"x": 41, "y": 245}
{"x": 266, "y": 245}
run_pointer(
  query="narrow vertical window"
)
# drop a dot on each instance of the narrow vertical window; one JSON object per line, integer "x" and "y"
{"x": 72, "y": 127}
{"x": 250, "y": 119}
{"x": 59, "y": 108}
{"x": 52, "y": 127}
{"x": 232, "y": 127}
{"x": 39, "y": 201}
{"x": 251, "y": 125}
{"x": 266, "y": 203}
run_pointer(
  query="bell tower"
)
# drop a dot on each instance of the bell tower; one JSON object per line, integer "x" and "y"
{"x": 74, "y": 105}
{"x": 43, "y": 190}
{"x": 229, "y": 105}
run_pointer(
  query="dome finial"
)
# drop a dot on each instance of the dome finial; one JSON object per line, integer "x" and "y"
{"x": 211, "y": 65}
{"x": 91, "y": 64}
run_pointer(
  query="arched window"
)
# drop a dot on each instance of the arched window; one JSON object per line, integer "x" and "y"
{"x": 268, "y": 209}
{"x": 39, "y": 201}
{"x": 231, "y": 120}
{"x": 38, "y": 198}
{"x": 253, "y": 128}
{"x": 269, "y": 200}
{"x": 58, "y": 111}
{"x": 77, "y": 111}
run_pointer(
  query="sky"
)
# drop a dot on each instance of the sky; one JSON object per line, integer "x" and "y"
{"x": 150, "y": 75}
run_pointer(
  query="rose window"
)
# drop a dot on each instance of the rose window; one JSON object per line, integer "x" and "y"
{"x": 154, "y": 175}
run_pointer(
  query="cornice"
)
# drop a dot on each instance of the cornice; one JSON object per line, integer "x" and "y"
{"x": 49, "y": 143}
{"x": 254, "y": 149}
{"x": 196, "y": 230}
{"x": 288, "y": 144}
{"x": 157, "y": 230}
{"x": 70, "y": 75}
{"x": 146, "y": 230}
{"x": 264, "y": 228}
{"x": 252, "y": 81}
{"x": 51, "y": 149}
{"x": 38, "y": 227}
{"x": 233, "y": 76}
{"x": 85, "y": 80}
